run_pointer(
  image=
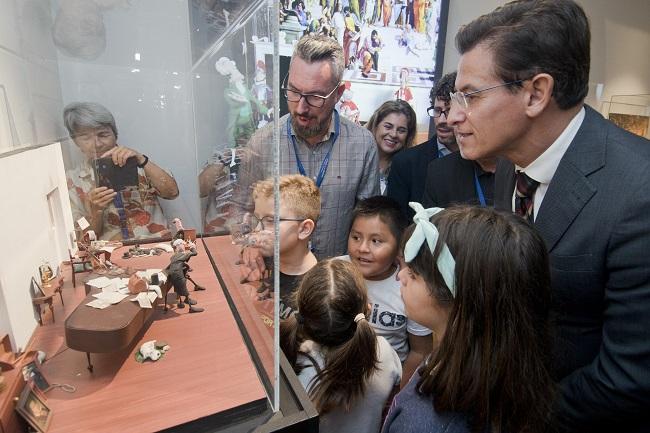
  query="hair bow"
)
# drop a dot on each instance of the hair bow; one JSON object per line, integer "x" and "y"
{"x": 426, "y": 230}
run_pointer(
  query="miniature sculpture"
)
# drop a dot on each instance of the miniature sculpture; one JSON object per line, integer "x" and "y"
{"x": 153, "y": 350}
{"x": 262, "y": 93}
{"x": 347, "y": 107}
{"x": 240, "y": 102}
{"x": 180, "y": 231}
{"x": 177, "y": 273}
{"x": 404, "y": 92}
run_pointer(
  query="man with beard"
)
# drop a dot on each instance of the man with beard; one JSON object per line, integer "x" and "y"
{"x": 317, "y": 142}
{"x": 409, "y": 168}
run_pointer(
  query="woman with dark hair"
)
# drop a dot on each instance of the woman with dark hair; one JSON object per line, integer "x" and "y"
{"x": 346, "y": 369}
{"x": 393, "y": 125}
{"x": 479, "y": 279}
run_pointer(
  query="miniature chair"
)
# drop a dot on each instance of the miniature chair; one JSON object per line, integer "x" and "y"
{"x": 79, "y": 263}
{"x": 39, "y": 298}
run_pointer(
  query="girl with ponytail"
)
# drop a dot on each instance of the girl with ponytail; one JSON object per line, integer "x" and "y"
{"x": 347, "y": 370}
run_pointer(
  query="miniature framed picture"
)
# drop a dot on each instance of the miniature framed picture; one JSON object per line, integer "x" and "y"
{"x": 33, "y": 408}
{"x": 32, "y": 373}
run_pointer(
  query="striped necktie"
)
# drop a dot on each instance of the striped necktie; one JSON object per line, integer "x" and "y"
{"x": 525, "y": 192}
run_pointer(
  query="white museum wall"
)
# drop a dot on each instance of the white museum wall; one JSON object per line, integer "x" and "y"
{"x": 31, "y": 232}
{"x": 30, "y": 95}
{"x": 620, "y": 43}
{"x": 150, "y": 98}
{"x": 30, "y": 98}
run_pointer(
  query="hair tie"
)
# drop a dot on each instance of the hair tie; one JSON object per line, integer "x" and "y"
{"x": 359, "y": 317}
{"x": 425, "y": 230}
{"x": 299, "y": 318}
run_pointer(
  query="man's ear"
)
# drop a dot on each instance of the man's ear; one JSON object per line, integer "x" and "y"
{"x": 306, "y": 228}
{"x": 539, "y": 91}
{"x": 339, "y": 92}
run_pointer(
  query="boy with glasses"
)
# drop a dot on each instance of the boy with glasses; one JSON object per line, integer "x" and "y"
{"x": 299, "y": 212}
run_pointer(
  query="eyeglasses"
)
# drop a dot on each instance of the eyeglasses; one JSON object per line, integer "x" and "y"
{"x": 436, "y": 112}
{"x": 267, "y": 221}
{"x": 316, "y": 101}
{"x": 463, "y": 99}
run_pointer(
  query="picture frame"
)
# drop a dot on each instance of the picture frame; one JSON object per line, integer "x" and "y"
{"x": 32, "y": 374}
{"x": 33, "y": 408}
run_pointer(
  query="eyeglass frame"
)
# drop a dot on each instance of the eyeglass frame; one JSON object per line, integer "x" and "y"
{"x": 465, "y": 103}
{"x": 255, "y": 221}
{"x": 322, "y": 98}
{"x": 445, "y": 112}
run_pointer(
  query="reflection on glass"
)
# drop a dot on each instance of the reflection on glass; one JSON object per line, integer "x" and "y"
{"x": 115, "y": 188}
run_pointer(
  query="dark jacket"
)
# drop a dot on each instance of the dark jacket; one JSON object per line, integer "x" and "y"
{"x": 450, "y": 180}
{"x": 595, "y": 221}
{"x": 408, "y": 171}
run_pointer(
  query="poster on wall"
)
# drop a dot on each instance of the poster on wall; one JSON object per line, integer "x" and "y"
{"x": 391, "y": 48}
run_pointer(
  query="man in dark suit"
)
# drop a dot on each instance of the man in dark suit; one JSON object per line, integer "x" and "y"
{"x": 409, "y": 167}
{"x": 525, "y": 68}
{"x": 454, "y": 180}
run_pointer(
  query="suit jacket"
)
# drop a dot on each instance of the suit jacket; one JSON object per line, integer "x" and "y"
{"x": 408, "y": 171}
{"x": 595, "y": 220}
{"x": 450, "y": 180}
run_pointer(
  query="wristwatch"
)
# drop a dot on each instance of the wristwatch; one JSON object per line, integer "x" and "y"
{"x": 146, "y": 161}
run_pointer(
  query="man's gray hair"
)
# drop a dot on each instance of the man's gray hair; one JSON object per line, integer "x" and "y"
{"x": 79, "y": 115}
{"x": 316, "y": 48}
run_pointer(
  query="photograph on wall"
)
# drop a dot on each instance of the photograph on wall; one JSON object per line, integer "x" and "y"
{"x": 390, "y": 47}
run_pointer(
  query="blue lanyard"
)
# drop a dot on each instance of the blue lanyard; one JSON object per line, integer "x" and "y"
{"x": 326, "y": 161}
{"x": 121, "y": 212}
{"x": 479, "y": 190}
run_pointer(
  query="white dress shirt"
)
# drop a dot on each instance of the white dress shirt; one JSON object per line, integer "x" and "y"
{"x": 543, "y": 168}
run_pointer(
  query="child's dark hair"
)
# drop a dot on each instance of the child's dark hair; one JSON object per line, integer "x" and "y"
{"x": 329, "y": 298}
{"x": 493, "y": 362}
{"x": 386, "y": 209}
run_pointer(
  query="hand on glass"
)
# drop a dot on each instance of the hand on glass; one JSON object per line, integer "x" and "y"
{"x": 251, "y": 265}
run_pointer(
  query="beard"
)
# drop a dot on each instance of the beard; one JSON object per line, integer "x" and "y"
{"x": 316, "y": 130}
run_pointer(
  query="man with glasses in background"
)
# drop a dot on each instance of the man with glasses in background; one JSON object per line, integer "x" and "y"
{"x": 583, "y": 183}
{"x": 409, "y": 167}
{"x": 339, "y": 156}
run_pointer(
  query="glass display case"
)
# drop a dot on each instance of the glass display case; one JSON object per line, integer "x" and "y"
{"x": 134, "y": 116}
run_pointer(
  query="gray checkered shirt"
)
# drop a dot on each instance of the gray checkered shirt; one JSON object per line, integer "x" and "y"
{"x": 352, "y": 175}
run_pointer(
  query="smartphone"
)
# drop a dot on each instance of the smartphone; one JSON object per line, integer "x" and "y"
{"x": 115, "y": 177}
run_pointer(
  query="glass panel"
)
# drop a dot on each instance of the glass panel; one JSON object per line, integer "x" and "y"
{"x": 233, "y": 97}
{"x": 153, "y": 102}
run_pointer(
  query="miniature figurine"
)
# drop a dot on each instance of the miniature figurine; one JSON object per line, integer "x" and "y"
{"x": 177, "y": 275}
{"x": 404, "y": 92}
{"x": 262, "y": 93}
{"x": 347, "y": 107}
{"x": 240, "y": 100}
{"x": 153, "y": 350}
{"x": 180, "y": 231}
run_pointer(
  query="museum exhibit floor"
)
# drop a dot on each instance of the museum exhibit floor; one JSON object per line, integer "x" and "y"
{"x": 208, "y": 369}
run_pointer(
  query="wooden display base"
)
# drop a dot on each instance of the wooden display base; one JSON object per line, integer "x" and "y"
{"x": 208, "y": 370}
